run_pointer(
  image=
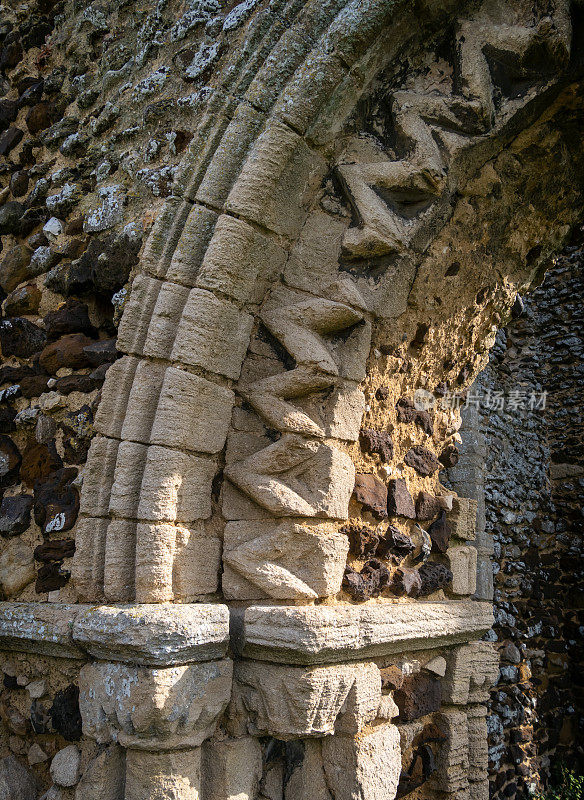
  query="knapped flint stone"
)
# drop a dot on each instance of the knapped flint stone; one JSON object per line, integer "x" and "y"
{"x": 24, "y": 300}
{"x": 76, "y": 383}
{"x": 422, "y": 460}
{"x": 11, "y": 53}
{"x": 14, "y": 267}
{"x": 406, "y": 581}
{"x": 449, "y": 456}
{"x": 33, "y": 385}
{"x": 68, "y": 351}
{"x": 10, "y": 215}
{"x": 7, "y": 415}
{"x": 8, "y": 140}
{"x": 394, "y": 542}
{"x": 434, "y": 577}
{"x": 30, "y": 94}
{"x": 71, "y": 317}
{"x": 65, "y": 714}
{"x": 15, "y": 514}
{"x": 10, "y": 460}
{"x": 425, "y": 421}
{"x": 391, "y": 677}
{"x": 440, "y": 532}
{"x": 19, "y": 337}
{"x": 406, "y": 410}
{"x": 38, "y": 118}
{"x": 422, "y": 767}
{"x": 354, "y": 584}
{"x": 51, "y": 577}
{"x": 56, "y": 502}
{"x": 419, "y": 695}
{"x": 371, "y": 493}
{"x": 362, "y": 541}
{"x": 75, "y": 448}
{"x": 8, "y": 113}
{"x": 102, "y": 352}
{"x": 399, "y": 500}
{"x": 427, "y": 506}
{"x": 39, "y": 719}
{"x": 377, "y": 577}
{"x": 16, "y": 782}
{"x": 38, "y": 461}
{"x": 376, "y": 442}
{"x": 56, "y": 550}
{"x": 19, "y": 183}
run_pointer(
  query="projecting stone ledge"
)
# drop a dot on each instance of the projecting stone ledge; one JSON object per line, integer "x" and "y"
{"x": 319, "y": 634}
{"x": 147, "y": 635}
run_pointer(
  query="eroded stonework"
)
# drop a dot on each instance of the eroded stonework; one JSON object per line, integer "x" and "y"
{"x": 273, "y": 594}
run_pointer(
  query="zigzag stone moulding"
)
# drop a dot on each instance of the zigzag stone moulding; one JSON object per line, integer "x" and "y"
{"x": 258, "y": 442}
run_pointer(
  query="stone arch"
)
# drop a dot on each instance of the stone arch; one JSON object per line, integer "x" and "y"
{"x": 265, "y": 147}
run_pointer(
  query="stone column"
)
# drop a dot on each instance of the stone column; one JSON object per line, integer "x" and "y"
{"x": 166, "y": 702}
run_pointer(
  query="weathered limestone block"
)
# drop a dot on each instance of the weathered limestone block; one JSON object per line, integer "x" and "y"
{"x": 240, "y": 261}
{"x": 308, "y": 779}
{"x": 463, "y": 518}
{"x": 213, "y": 334}
{"x": 142, "y": 402}
{"x": 366, "y": 767}
{"x": 231, "y": 769}
{"x": 453, "y": 763}
{"x": 315, "y": 410}
{"x": 175, "y": 486}
{"x": 43, "y": 628}
{"x": 120, "y": 561}
{"x": 137, "y": 315}
{"x": 111, "y": 411}
{"x": 294, "y": 476}
{"x": 192, "y": 245}
{"x": 165, "y": 235}
{"x": 165, "y": 319}
{"x": 291, "y": 702}
{"x": 154, "y": 634}
{"x": 97, "y": 476}
{"x": 175, "y": 563}
{"x": 192, "y": 413}
{"x": 153, "y": 709}
{"x": 472, "y": 670}
{"x": 125, "y": 491}
{"x": 478, "y": 747}
{"x": 316, "y": 634}
{"x": 16, "y": 567}
{"x": 276, "y": 180}
{"x": 309, "y": 329}
{"x": 463, "y": 565}
{"x": 156, "y": 775}
{"x": 87, "y": 570}
{"x": 103, "y": 779}
{"x": 284, "y": 561}
{"x": 239, "y": 136}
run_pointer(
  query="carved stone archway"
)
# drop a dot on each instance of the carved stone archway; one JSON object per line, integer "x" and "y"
{"x": 367, "y": 191}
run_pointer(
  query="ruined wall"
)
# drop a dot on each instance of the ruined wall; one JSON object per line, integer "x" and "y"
{"x": 533, "y": 485}
{"x": 345, "y": 199}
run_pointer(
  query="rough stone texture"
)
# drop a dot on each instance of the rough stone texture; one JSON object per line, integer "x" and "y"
{"x": 285, "y": 561}
{"x": 16, "y": 781}
{"x": 355, "y": 193}
{"x": 154, "y": 635}
{"x": 316, "y": 634}
{"x": 366, "y": 767}
{"x": 147, "y": 709}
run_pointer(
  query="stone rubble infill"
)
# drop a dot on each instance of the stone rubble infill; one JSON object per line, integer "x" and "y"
{"x": 148, "y": 635}
{"x": 320, "y": 634}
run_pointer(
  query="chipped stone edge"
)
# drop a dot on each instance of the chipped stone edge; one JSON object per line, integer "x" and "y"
{"x": 332, "y": 634}
{"x": 175, "y": 634}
